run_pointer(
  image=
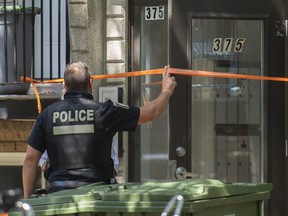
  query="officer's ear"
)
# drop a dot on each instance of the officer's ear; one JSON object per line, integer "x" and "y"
{"x": 89, "y": 87}
{"x": 64, "y": 85}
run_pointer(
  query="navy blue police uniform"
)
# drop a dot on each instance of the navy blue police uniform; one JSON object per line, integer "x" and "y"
{"x": 77, "y": 133}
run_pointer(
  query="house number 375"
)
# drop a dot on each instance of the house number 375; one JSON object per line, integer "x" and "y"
{"x": 154, "y": 13}
{"x": 228, "y": 44}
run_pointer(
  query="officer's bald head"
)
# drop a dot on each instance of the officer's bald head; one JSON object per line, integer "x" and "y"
{"x": 77, "y": 76}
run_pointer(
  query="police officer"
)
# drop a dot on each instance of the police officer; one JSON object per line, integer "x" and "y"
{"x": 77, "y": 132}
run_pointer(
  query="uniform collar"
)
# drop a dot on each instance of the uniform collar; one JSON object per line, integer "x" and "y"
{"x": 77, "y": 93}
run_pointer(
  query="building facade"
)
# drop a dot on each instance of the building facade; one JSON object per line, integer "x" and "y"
{"x": 229, "y": 129}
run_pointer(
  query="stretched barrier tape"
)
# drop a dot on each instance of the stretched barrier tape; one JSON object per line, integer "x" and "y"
{"x": 225, "y": 75}
{"x": 173, "y": 71}
{"x": 103, "y": 76}
{"x": 177, "y": 71}
{"x": 37, "y": 98}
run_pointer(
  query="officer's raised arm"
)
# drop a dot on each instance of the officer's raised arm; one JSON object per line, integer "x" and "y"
{"x": 154, "y": 108}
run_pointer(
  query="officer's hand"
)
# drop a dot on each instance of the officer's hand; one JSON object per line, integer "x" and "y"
{"x": 168, "y": 83}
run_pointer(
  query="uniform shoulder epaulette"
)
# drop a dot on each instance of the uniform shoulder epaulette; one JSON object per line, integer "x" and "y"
{"x": 121, "y": 105}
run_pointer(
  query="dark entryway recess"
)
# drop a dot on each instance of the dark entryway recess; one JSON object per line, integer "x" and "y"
{"x": 272, "y": 14}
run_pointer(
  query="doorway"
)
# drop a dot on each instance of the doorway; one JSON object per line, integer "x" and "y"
{"x": 228, "y": 129}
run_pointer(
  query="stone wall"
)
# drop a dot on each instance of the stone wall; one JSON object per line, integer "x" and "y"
{"x": 99, "y": 37}
{"x": 87, "y": 35}
{"x": 117, "y": 61}
{"x": 98, "y": 32}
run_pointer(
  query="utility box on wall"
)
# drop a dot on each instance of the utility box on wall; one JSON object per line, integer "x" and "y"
{"x": 113, "y": 93}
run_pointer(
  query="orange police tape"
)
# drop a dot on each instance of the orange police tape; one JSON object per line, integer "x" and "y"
{"x": 173, "y": 71}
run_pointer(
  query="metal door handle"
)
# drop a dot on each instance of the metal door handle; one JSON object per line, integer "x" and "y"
{"x": 181, "y": 173}
{"x": 180, "y": 151}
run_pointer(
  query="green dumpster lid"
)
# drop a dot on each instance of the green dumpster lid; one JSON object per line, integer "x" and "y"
{"x": 146, "y": 197}
{"x": 190, "y": 189}
{"x": 86, "y": 193}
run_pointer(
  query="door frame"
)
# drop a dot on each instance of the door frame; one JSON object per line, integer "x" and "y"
{"x": 286, "y": 108}
{"x": 134, "y": 90}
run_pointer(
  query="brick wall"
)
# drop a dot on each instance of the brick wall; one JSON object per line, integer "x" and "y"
{"x": 14, "y": 134}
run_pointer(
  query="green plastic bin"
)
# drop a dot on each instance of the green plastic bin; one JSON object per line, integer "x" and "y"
{"x": 200, "y": 198}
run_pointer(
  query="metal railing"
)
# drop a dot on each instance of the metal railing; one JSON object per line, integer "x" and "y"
{"x": 35, "y": 39}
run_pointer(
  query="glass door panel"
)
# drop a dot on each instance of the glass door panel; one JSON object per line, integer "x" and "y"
{"x": 226, "y": 114}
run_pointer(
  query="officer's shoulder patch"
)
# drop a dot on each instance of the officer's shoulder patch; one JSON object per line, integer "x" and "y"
{"x": 121, "y": 105}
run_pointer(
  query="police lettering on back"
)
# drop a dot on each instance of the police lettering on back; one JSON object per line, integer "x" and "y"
{"x": 73, "y": 116}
